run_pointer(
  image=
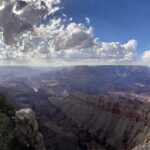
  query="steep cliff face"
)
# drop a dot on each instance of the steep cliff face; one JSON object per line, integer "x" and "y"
{"x": 113, "y": 122}
{"x": 27, "y": 129}
{"x": 18, "y": 131}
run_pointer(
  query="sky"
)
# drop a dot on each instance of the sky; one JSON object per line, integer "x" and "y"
{"x": 74, "y": 32}
{"x": 114, "y": 20}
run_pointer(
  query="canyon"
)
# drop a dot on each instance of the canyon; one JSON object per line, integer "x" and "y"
{"x": 87, "y": 108}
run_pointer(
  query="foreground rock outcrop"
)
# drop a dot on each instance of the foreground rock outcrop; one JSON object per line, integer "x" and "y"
{"x": 27, "y": 129}
{"x": 145, "y": 145}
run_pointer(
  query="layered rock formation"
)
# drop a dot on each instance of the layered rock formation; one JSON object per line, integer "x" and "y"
{"x": 113, "y": 122}
{"x": 27, "y": 129}
{"x": 95, "y": 80}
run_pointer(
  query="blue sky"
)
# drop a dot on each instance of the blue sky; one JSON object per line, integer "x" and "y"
{"x": 114, "y": 20}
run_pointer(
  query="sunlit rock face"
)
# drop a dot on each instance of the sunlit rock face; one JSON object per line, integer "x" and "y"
{"x": 145, "y": 145}
{"x": 27, "y": 129}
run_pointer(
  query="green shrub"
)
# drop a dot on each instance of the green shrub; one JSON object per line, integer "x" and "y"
{"x": 8, "y": 137}
{"x": 5, "y": 106}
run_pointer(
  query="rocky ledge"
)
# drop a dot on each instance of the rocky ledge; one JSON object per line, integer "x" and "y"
{"x": 27, "y": 129}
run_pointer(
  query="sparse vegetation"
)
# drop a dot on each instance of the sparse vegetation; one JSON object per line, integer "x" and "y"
{"x": 8, "y": 137}
{"x": 6, "y": 123}
{"x": 5, "y": 106}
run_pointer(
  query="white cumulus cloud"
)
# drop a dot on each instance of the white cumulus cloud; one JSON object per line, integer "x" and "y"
{"x": 146, "y": 57}
{"x": 55, "y": 40}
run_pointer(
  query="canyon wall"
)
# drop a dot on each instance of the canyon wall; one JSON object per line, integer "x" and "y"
{"x": 113, "y": 122}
